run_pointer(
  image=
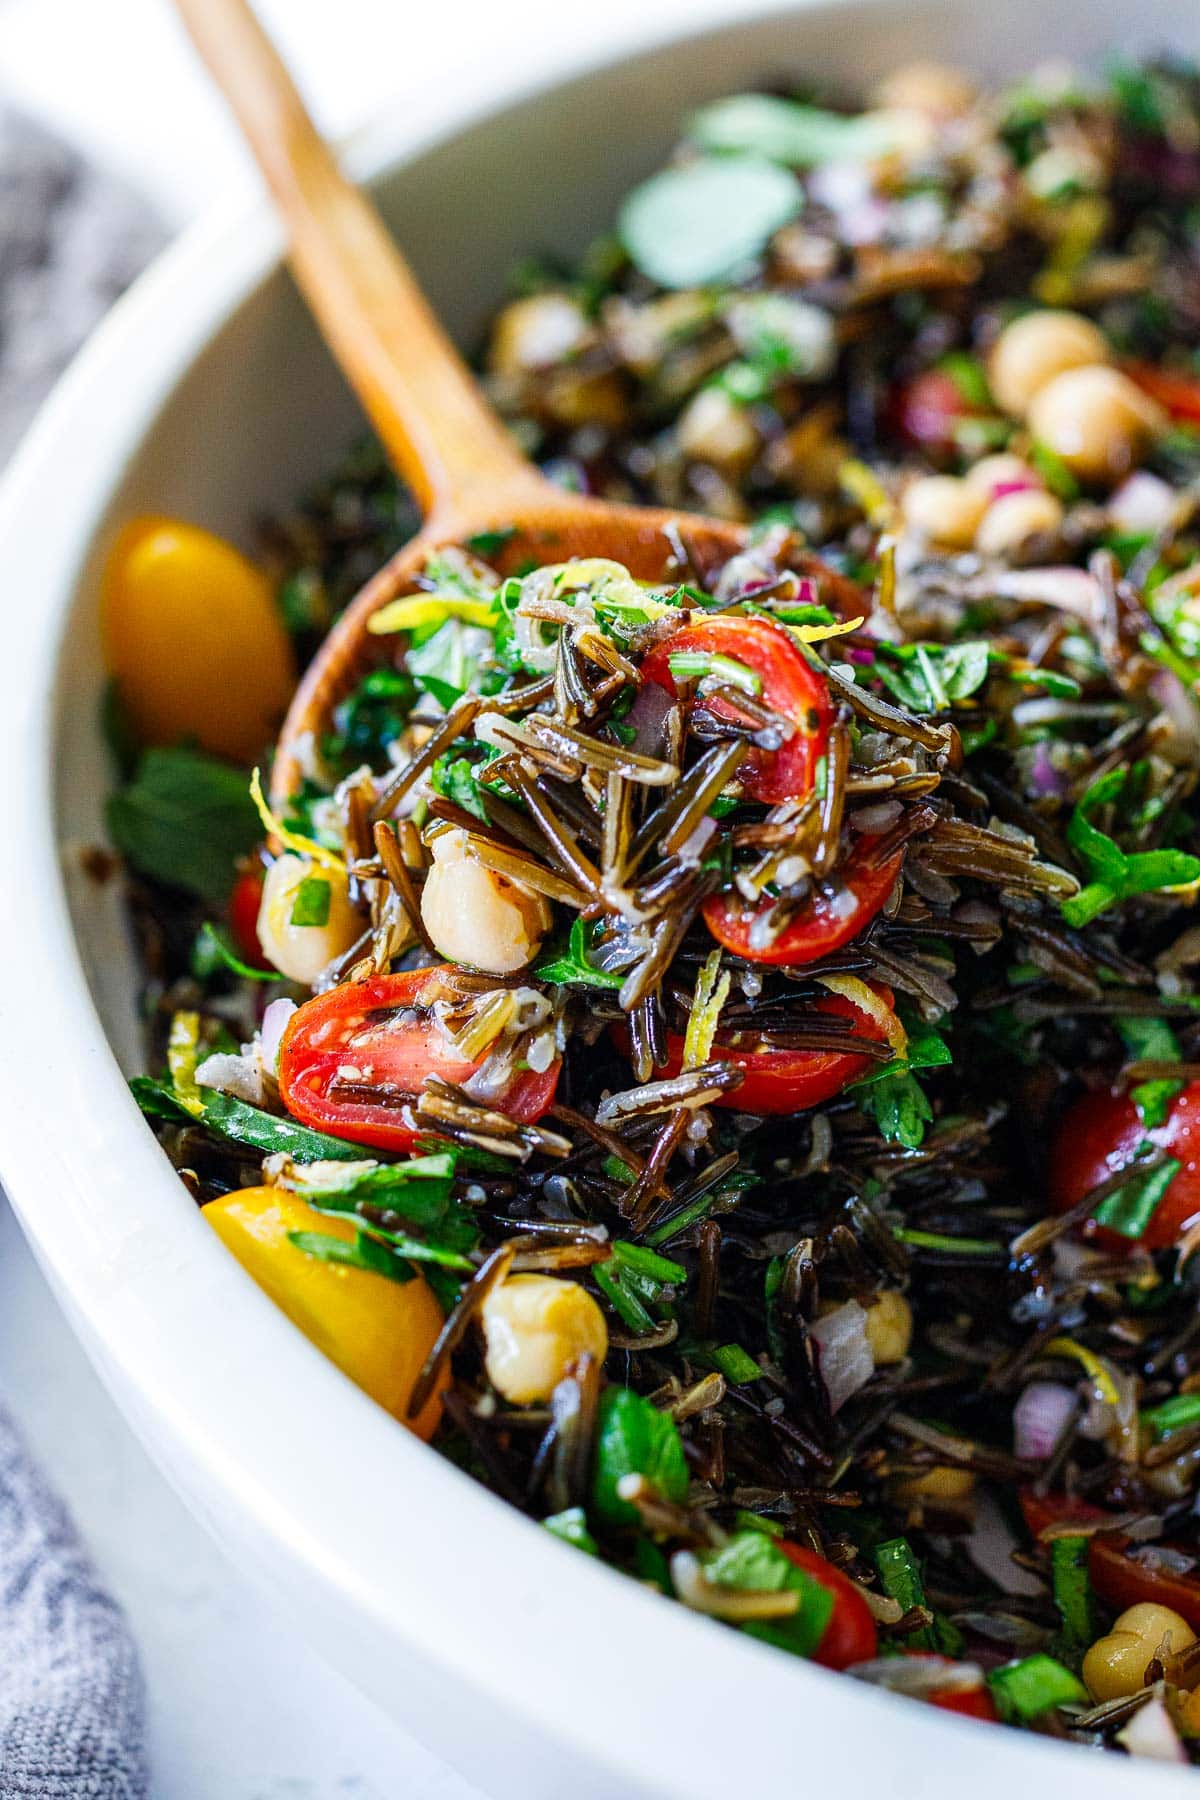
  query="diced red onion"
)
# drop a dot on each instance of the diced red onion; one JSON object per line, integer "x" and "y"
{"x": 1022, "y": 484}
{"x": 919, "y": 1676}
{"x": 990, "y": 1547}
{"x": 1039, "y": 1419}
{"x": 1071, "y": 590}
{"x": 1043, "y": 775}
{"x": 274, "y": 1023}
{"x": 1143, "y": 502}
{"x": 1151, "y": 1734}
{"x": 873, "y": 821}
{"x": 843, "y": 1351}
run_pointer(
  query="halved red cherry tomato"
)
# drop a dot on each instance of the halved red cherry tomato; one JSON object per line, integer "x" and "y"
{"x": 1100, "y": 1133}
{"x": 244, "y": 903}
{"x": 1116, "y": 1576}
{"x": 358, "y": 1027}
{"x": 850, "y": 1636}
{"x": 789, "y": 687}
{"x": 789, "y": 1081}
{"x": 927, "y": 410}
{"x": 1180, "y": 394}
{"x": 972, "y": 1703}
{"x": 838, "y": 910}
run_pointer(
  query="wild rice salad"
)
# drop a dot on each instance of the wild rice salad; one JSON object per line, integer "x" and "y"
{"x": 724, "y": 1062}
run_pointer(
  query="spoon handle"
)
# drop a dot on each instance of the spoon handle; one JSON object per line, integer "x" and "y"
{"x": 438, "y": 429}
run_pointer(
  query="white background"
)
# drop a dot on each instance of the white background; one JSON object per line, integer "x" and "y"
{"x": 240, "y": 1709}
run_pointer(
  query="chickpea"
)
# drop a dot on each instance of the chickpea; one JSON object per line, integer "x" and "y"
{"x": 194, "y": 640}
{"x": 535, "y": 1327}
{"x": 943, "y": 1482}
{"x": 1116, "y": 1664}
{"x": 301, "y": 952}
{"x": 476, "y": 917}
{"x": 575, "y": 397}
{"x": 715, "y": 428}
{"x": 1187, "y": 1712}
{"x": 536, "y": 333}
{"x": 1014, "y": 519}
{"x": 1097, "y": 421}
{"x": 889, "y": 1327}
{"x": 944, "y": 509}
{"x": 1034, "y": 349}
{"x": 928, "y": 87}
{"x": 377, "y": 1331}
{"x": 1001, "y": 471}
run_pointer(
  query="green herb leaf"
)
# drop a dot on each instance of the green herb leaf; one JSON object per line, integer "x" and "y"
{"x": 457, "y": 778}
{"x": 311, "y": 901}
{"x": 573, "y": 963}
{"x": 1112, "y": 874}
{"x": 785, "y": 131}
{"x": 212, "y": 952}
{"x": 448, "y": 662}
{"x": 184, "y": 820}
{"x": 371, "y": 719}
{"x": 571, "y": 1527}
{"x": 930, "y": 677}
{"x": 304, "y": 603}
{"x": 487, "y": 543}
{"x": 419, "y": 1190}
{"x": 363, "y": 1253}
{"x": 969, "y": 377}
{"x": 1058, "y": 686}
{"x": 900, "y": 1577}
{"x": 634, "y": 1438}
{"x": 1130, "y": 1209}
{"x": 1054, "y": 473}
{"x": 927, "y": 1049}
{"x": 899, "y": 1106}
{"x": 1143, "y": 102}
{"x": 752, "y": 1561}
{"x": 1151, "y": 1040}
{"x": 244, "y": 1124}
{"x": 782, "y": 338}
{"x": 706, "y": 220}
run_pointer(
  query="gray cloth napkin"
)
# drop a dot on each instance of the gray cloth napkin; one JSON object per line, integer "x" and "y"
{"x": 70, "y": 1686}
{"x": 71, "y": 1703}
{"x": 70, "y": 241}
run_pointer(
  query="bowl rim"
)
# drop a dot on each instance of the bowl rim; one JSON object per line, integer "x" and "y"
{"x": 113, "y": 1228}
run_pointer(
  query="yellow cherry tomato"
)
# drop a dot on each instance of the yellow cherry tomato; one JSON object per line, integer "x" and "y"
{"x": 194, "y": 640}
{"x": 377, "y": 1331}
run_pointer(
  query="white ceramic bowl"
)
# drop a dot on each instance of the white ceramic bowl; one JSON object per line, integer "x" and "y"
{"x": 207, "y": 394}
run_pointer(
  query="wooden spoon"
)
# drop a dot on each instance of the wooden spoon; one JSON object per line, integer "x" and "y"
{"x": 439, "y": 431}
